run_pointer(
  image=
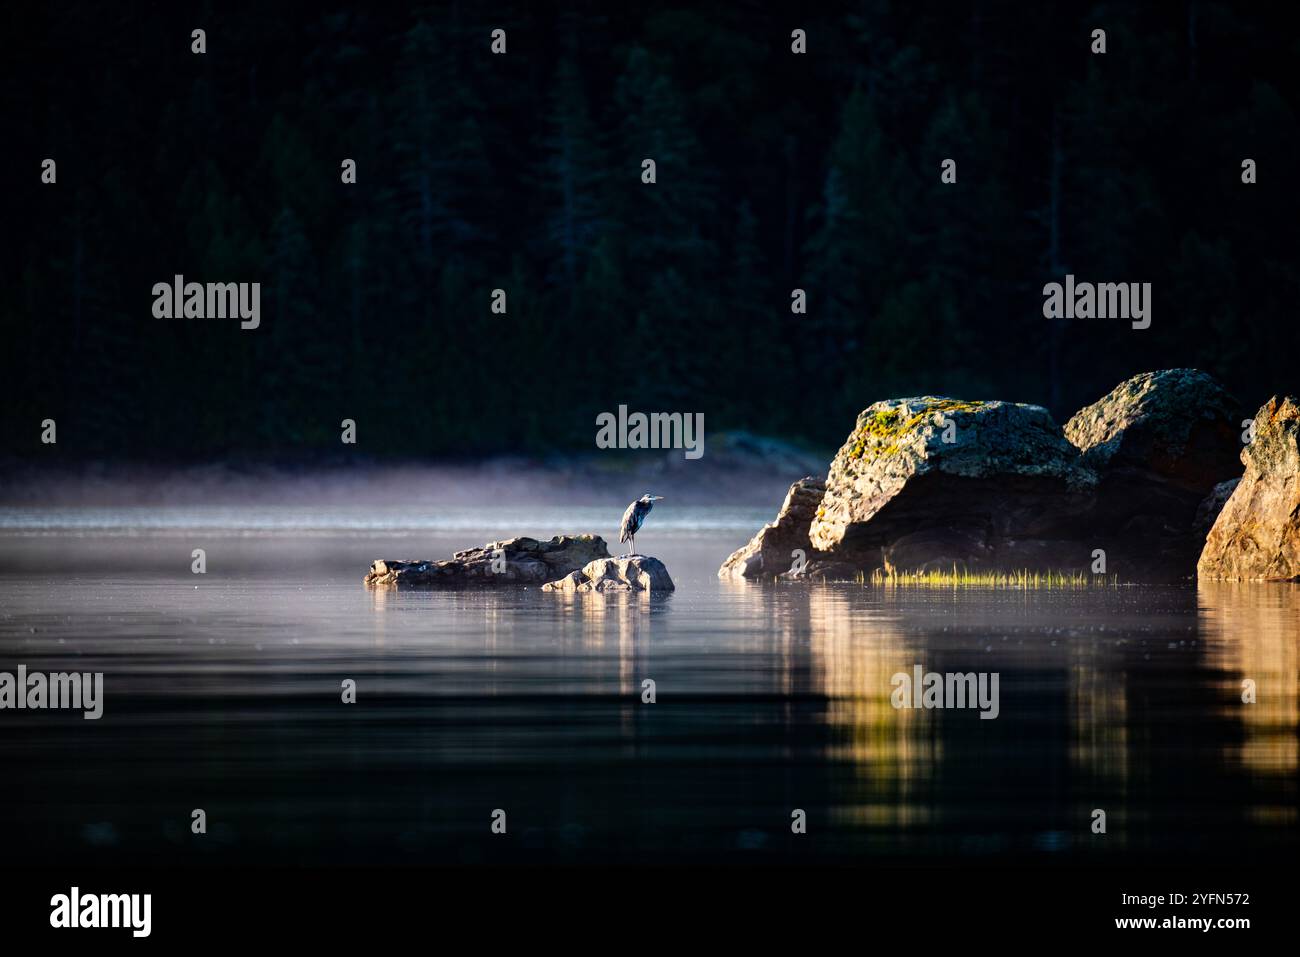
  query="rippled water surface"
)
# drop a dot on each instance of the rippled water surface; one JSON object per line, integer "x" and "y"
{"x": 223, "y": 693}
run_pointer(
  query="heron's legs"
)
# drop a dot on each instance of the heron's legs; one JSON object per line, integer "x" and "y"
{"x": 633, "y": 549}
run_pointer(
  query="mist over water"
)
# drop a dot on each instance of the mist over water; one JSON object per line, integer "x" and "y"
{"x": 223, "y": 693}
{"x": 387, "y": 520}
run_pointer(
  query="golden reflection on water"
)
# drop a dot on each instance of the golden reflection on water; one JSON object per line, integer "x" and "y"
{"x": 855, "y": 646}
{"x": 1099, "y": 711}
{"x": 854, "y": 654}
{"x": 1099, "y": 744}
{"x": 1106, "y": 693}
{"x": 1251, "y": 631}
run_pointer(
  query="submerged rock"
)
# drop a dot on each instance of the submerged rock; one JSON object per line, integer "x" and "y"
{"x": 934, "y": 482}
{"x": 513, "y": 561}
{"x": 631, "y": 573}
{"x": 1257, "y": 535}
{"x": 771, "y": 551}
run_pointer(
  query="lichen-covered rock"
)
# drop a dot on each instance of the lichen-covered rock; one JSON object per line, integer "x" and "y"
{"x": 1178, "y": 426}
{"x": 513, "y": 561}
{"x": 1257, "y": 535}
{"x": 772, "y": 550}
{"x": 933, "y": 482}
{"x": 631, "y": 573}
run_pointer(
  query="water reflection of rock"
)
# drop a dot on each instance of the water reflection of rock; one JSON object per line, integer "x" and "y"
{"x": 1099, "y": 690}
{"x": 1250, "y": 631}
{"x": 854, "y": 651}
{"x": 616, "y": 624}
{"x": 1099, "y": 743}
{"x": 968, "y": 786}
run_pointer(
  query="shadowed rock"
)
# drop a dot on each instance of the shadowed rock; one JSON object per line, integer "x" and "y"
{"x": 771, "y": 551}
{"x": 1208, "y": 511}
{"x": 1160, "y": 443}
{"x": 1257, "y": 535}
{"x": 631, "y": 573}
{"x": 1177, "y": 425}
{"x": 513, "y": 561}
{"x": 823, "y": 570}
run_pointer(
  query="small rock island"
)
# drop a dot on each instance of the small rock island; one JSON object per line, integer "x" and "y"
{"x": 566, "y": 563}
{"x": 629, "y": 573}
{"x": 509, "y": 562}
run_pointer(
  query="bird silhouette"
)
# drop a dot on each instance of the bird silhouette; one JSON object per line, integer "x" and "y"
{"x": 633, "y": 519}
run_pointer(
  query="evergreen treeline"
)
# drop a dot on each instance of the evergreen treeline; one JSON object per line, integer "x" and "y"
{"x": 523, "y": 172}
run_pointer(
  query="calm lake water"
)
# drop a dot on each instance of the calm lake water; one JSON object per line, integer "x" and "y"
{"x": 223, "y": 693}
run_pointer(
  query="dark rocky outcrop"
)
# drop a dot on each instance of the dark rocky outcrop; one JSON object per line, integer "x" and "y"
{"x": 822, "y": 569}
{"x": 1160, "y": 443}
{"x": 1178, "y": 426}
{"x": 934, "y": 482}
{"x": 630, "y": 573}
{"x": 1257, "y": 534}
{"x": 513, "y": 561}
{"x": 771, "y": 552}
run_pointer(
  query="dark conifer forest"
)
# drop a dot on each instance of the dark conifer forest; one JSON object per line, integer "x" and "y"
{"x": 522, "y": 172}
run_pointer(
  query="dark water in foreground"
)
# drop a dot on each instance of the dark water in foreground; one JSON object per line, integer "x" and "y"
{"x": 223, "y": 693}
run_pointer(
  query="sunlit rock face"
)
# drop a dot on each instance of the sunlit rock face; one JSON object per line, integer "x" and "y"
{"x": 1257, "y": 535}
{"x": 935, "y": 482}
{"x": 772, "y": 551}
{"x": 630, "y": 573}
{"x": 512, "y": 561}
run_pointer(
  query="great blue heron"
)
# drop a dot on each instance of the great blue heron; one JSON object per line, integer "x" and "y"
{"x": 634, "y": 517}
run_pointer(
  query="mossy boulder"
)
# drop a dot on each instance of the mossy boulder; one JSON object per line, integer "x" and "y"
{"x": 935, "y": 481}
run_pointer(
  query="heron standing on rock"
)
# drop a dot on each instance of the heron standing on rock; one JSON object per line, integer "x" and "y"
{"x": 634, "y": 517}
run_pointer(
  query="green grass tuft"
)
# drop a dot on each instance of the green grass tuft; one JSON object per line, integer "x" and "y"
{"x": 962, "y": 578}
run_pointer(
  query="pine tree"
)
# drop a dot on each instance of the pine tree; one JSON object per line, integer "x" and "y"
{"x": 573, "y": 176}
{"x": 857, "y": 255}
{"x": 671, "y": 257}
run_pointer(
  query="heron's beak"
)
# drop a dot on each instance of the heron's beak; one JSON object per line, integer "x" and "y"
{"x": 657, "y": 498}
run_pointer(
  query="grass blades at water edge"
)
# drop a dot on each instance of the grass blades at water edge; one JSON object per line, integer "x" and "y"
{"x": 965, "y": 578}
